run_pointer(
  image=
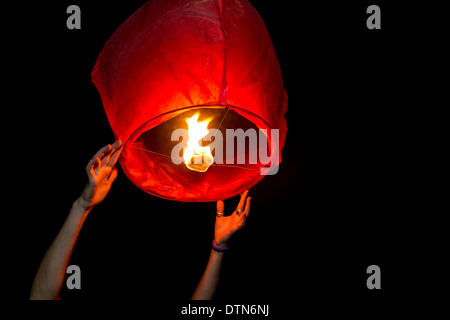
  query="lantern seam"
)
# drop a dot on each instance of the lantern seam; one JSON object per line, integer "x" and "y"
{"x": 224, "y": 84}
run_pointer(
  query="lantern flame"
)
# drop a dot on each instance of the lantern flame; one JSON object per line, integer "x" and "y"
{"x": 197, "y": 157}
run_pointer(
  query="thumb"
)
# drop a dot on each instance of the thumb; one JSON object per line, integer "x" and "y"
{"x": 113, "y": 175}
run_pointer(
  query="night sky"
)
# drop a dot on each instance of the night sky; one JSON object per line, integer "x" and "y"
{"x": 336, "y": 206}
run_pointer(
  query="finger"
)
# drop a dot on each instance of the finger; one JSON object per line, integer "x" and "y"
{"x": 116, "y": 144}
{"x": 244, "y": 215}
{"x": 107, "y": 155}
{"x": 102, "y": 151}
{"x": 91, "y": 173}
{"x": 241, "y": 203}
{"x": 246, "y": 212}
{"x": 220, "y": 206}
{"x": 113, "y": 175}
{"x": 90, "y": 165}
{"x": 99, "y": 164}
{"x": 115, "y": 153}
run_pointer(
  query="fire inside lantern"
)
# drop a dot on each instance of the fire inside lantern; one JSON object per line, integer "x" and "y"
{"x": 197, "y": 157}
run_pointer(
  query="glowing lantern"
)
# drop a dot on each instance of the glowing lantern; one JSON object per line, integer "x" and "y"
{"x": 171, "y": 65}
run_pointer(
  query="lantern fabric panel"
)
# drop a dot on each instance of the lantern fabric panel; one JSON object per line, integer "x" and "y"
{"x": 172, "y": 56}
{"x": 168, "y": 55}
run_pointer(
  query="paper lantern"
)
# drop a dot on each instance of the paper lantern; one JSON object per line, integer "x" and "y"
{"x": 173, "y": 59}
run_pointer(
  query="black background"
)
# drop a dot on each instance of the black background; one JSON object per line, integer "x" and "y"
{"x": 339, "y": 203}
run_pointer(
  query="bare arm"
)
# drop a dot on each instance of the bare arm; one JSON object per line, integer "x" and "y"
{"x": 50, "y": 276}
{"x": 101, "y": 173}
{"x": 224, "y": 228}
{"x": 210, "y": 279}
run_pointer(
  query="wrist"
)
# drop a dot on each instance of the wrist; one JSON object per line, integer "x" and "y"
{"x": 219, "y": 246}
{"x": 82, "y": 205}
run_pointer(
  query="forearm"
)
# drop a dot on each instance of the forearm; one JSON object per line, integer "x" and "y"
{"x": 210, "y": 279}
{"x": 50, "y": 275}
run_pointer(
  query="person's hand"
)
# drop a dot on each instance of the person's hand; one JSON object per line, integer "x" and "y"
{"x": 226, "y": 226}
{"x": 101, "y": 174}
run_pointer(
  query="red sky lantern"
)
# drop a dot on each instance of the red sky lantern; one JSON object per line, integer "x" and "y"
{"x": 193, "y": 65}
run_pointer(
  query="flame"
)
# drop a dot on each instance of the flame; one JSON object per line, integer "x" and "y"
{"x": 195, "y": 156}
